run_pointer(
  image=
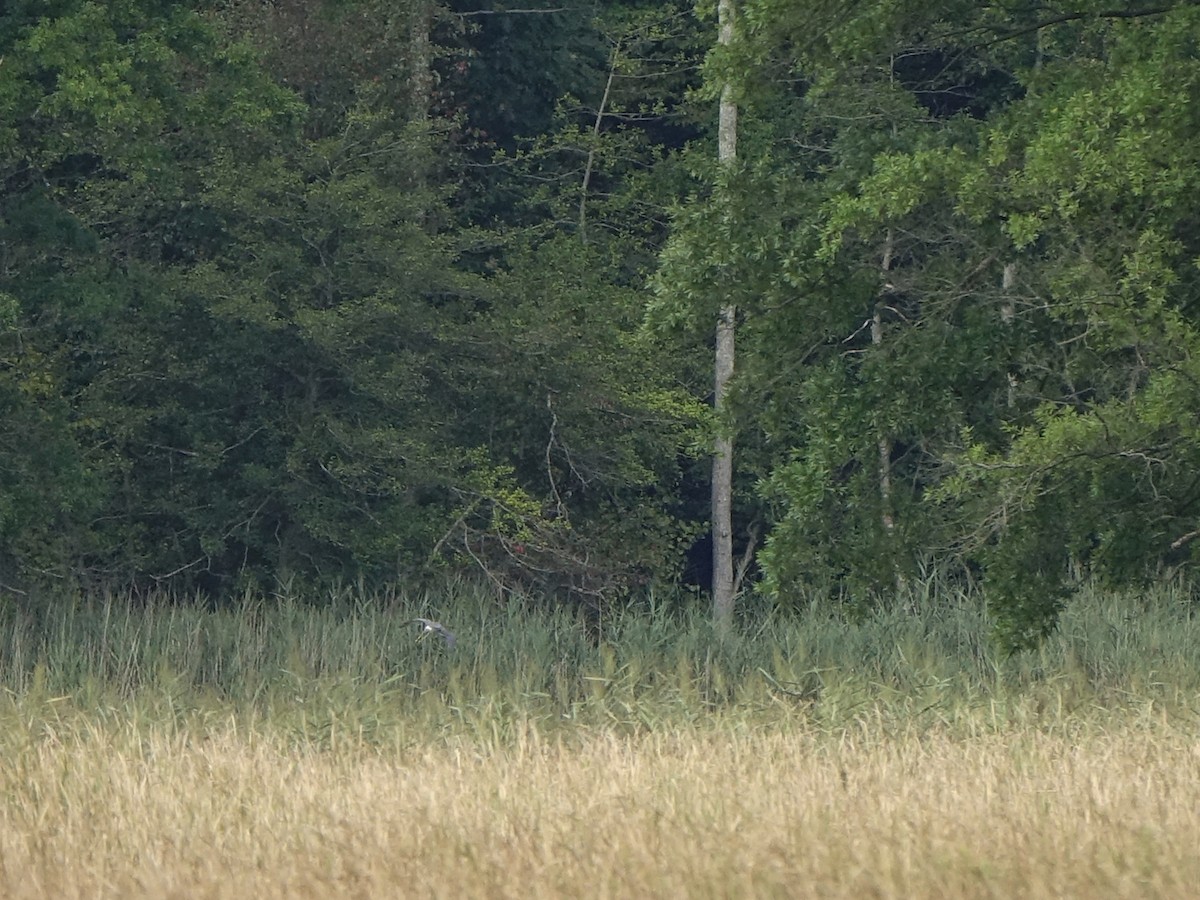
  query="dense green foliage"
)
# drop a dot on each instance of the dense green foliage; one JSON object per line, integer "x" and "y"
{"x": 244, "y": 338}
{"x": 323, "y": 291}
{"x": 961, "y": 241}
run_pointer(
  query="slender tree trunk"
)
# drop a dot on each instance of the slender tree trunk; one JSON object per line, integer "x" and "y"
{"x": 420, "y": 93}
{"x": 420, "y": 77}
{"x": 722, "y": 474}
{"x": 885, "y": 440}
{"x": 1008, "y": 312}
{"x": 591, "y": 157}
{"x": 722, "y": 479}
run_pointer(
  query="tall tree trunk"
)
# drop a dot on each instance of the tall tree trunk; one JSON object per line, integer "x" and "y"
{"x": 591, "y": 157}
{"x": 884, "y": 441}
{"x": 888, "y": 518}
{"x": 722, "y": 473}
{"x": 420, "y": 92}
{"x": 420, "y": 50}
{"x": 1008, "y": 312}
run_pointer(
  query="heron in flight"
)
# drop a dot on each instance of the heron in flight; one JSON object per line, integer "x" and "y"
{"x": 428, "y": 625}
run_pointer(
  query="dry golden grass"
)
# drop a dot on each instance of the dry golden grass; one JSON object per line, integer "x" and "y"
{"x": 723, "y": 811}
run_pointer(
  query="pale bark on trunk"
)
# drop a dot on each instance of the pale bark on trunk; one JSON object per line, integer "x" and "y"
{"x": 1008, "y": 312}
{"x": 885, "y": 439}
{"x": 884, "y": 442}
{"x": 722, "y": 472}
{"x": 722, "y": 478}
{"x": 420, "y": 78}
{"x": 420, "y": 93}
{"x": 591, "y": 157}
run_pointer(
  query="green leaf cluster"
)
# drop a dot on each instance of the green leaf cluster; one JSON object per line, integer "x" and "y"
{"x": 248, "y": 336}
{"x": 962, "y": 241}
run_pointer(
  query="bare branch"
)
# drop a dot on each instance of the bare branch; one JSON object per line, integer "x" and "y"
{"x": 1075, "y": 17}
{"x": 514, "y": 12}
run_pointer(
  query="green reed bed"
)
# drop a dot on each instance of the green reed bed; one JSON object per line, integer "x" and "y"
{"x": 354, "y": 663}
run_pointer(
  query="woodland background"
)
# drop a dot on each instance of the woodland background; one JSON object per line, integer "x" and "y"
{"x": 349, "y": 291}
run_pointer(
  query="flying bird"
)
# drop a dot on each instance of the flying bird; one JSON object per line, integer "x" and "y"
{"x": 437, "y": 628}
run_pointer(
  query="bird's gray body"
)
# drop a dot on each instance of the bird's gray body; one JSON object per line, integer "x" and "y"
{"x": 428, "y": 625}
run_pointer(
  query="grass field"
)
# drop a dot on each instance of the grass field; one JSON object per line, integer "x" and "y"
{"x": 284, "y": 749}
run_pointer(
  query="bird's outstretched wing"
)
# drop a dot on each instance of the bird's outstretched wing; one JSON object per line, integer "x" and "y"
{"x": 438, "y": 628}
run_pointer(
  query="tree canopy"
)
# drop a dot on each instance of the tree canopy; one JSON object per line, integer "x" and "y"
{"x": 354, "y": 290}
